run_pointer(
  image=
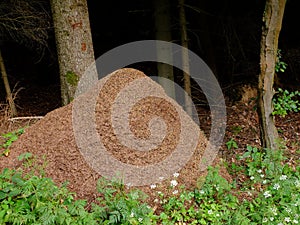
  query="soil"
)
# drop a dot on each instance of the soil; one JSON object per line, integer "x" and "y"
{"x": 52, "y": 140}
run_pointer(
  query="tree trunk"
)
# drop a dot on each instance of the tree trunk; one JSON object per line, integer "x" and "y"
{"x": 163, "y": 32}
{"x": 74, "y": 43}
{"x": 272, "y": 19}
{"x": 13, "y": 110}
{"x": 185, "y": 58}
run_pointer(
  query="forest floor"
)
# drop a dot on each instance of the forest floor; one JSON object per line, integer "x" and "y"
{"x": 242, "y": 129}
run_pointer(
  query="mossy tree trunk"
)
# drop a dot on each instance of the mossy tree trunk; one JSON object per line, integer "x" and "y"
{"x": 185, "y": 57}
{"x": 74, "y": 43}
{"x": 272, "y": 18}
{"x": 163, "y": 32}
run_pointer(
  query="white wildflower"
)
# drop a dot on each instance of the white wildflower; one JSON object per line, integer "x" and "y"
{"x": 283, "y": 177}
{"x": 276, "y": 186}
{"x": 176, "y": 175}
{"x": 274, "y": 210}
{"x": 287, "y": 219}
{"x": 267, "y": 194}
{"x": 153, "y": 186}
{"x": 174, "y": 183}
{"x": 128, "y": 185}
{"x": 175, "y": 192}
{"x": 288, "y": 210}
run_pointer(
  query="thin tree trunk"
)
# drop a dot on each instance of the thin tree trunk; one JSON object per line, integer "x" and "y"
{"x": 272, "y": 19}
{"x": 185, "y": 58}
{"x": 163, "y": 32}
{"x": 74, "y": 43}
{"x": 7, "y": 87}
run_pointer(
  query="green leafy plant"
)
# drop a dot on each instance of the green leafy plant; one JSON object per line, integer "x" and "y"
{"x": 33, "y": 164}
{"x": 176, "y": 202}
{"x": 211, "y": 203}
{"x": 9, "y": 138}
{"x": 266, "y": 192}
{"x": 236, "y": 129}
{"x": 116, "y": 206}
{"x": 37, "y": 200}
{"x": 274, "y": 189}
{"x": 280, "y": 66}
{"x": 215, "y": 200}
{"x": 231, "y": 144}
{"x": 285, "y": 102}
{"x": 25, "y": 156}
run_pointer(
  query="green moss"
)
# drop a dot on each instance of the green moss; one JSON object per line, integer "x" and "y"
{"x": 72, "y": 78}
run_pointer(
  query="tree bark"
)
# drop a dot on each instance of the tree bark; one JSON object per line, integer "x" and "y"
{"x": 185, "y": 58}
{"x": 74, "y": 43}
{"x": 272, "y": 19}
{"x": 163, "y": 32}
{"x": 12, "y": 106}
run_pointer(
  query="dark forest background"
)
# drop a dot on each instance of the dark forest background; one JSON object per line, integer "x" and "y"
{"x": 225, "y": 34}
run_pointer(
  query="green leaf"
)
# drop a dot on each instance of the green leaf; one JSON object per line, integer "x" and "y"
{"x": 3, "y": 195}
{"x": 14, "y": 193}
{"x": 26, "y": 156}
{"x": 2, "y": 214}
{"x": 16, "y": 178}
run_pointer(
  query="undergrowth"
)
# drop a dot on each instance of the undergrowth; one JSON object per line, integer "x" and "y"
{"x": 266, "y": 190}
{"x": 9, "y": 138}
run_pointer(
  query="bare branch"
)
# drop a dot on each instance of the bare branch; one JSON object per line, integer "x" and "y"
{"x": 25, "y": 21}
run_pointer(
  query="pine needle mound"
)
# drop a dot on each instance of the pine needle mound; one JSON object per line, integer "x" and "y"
{"x": 54, "y": 137}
